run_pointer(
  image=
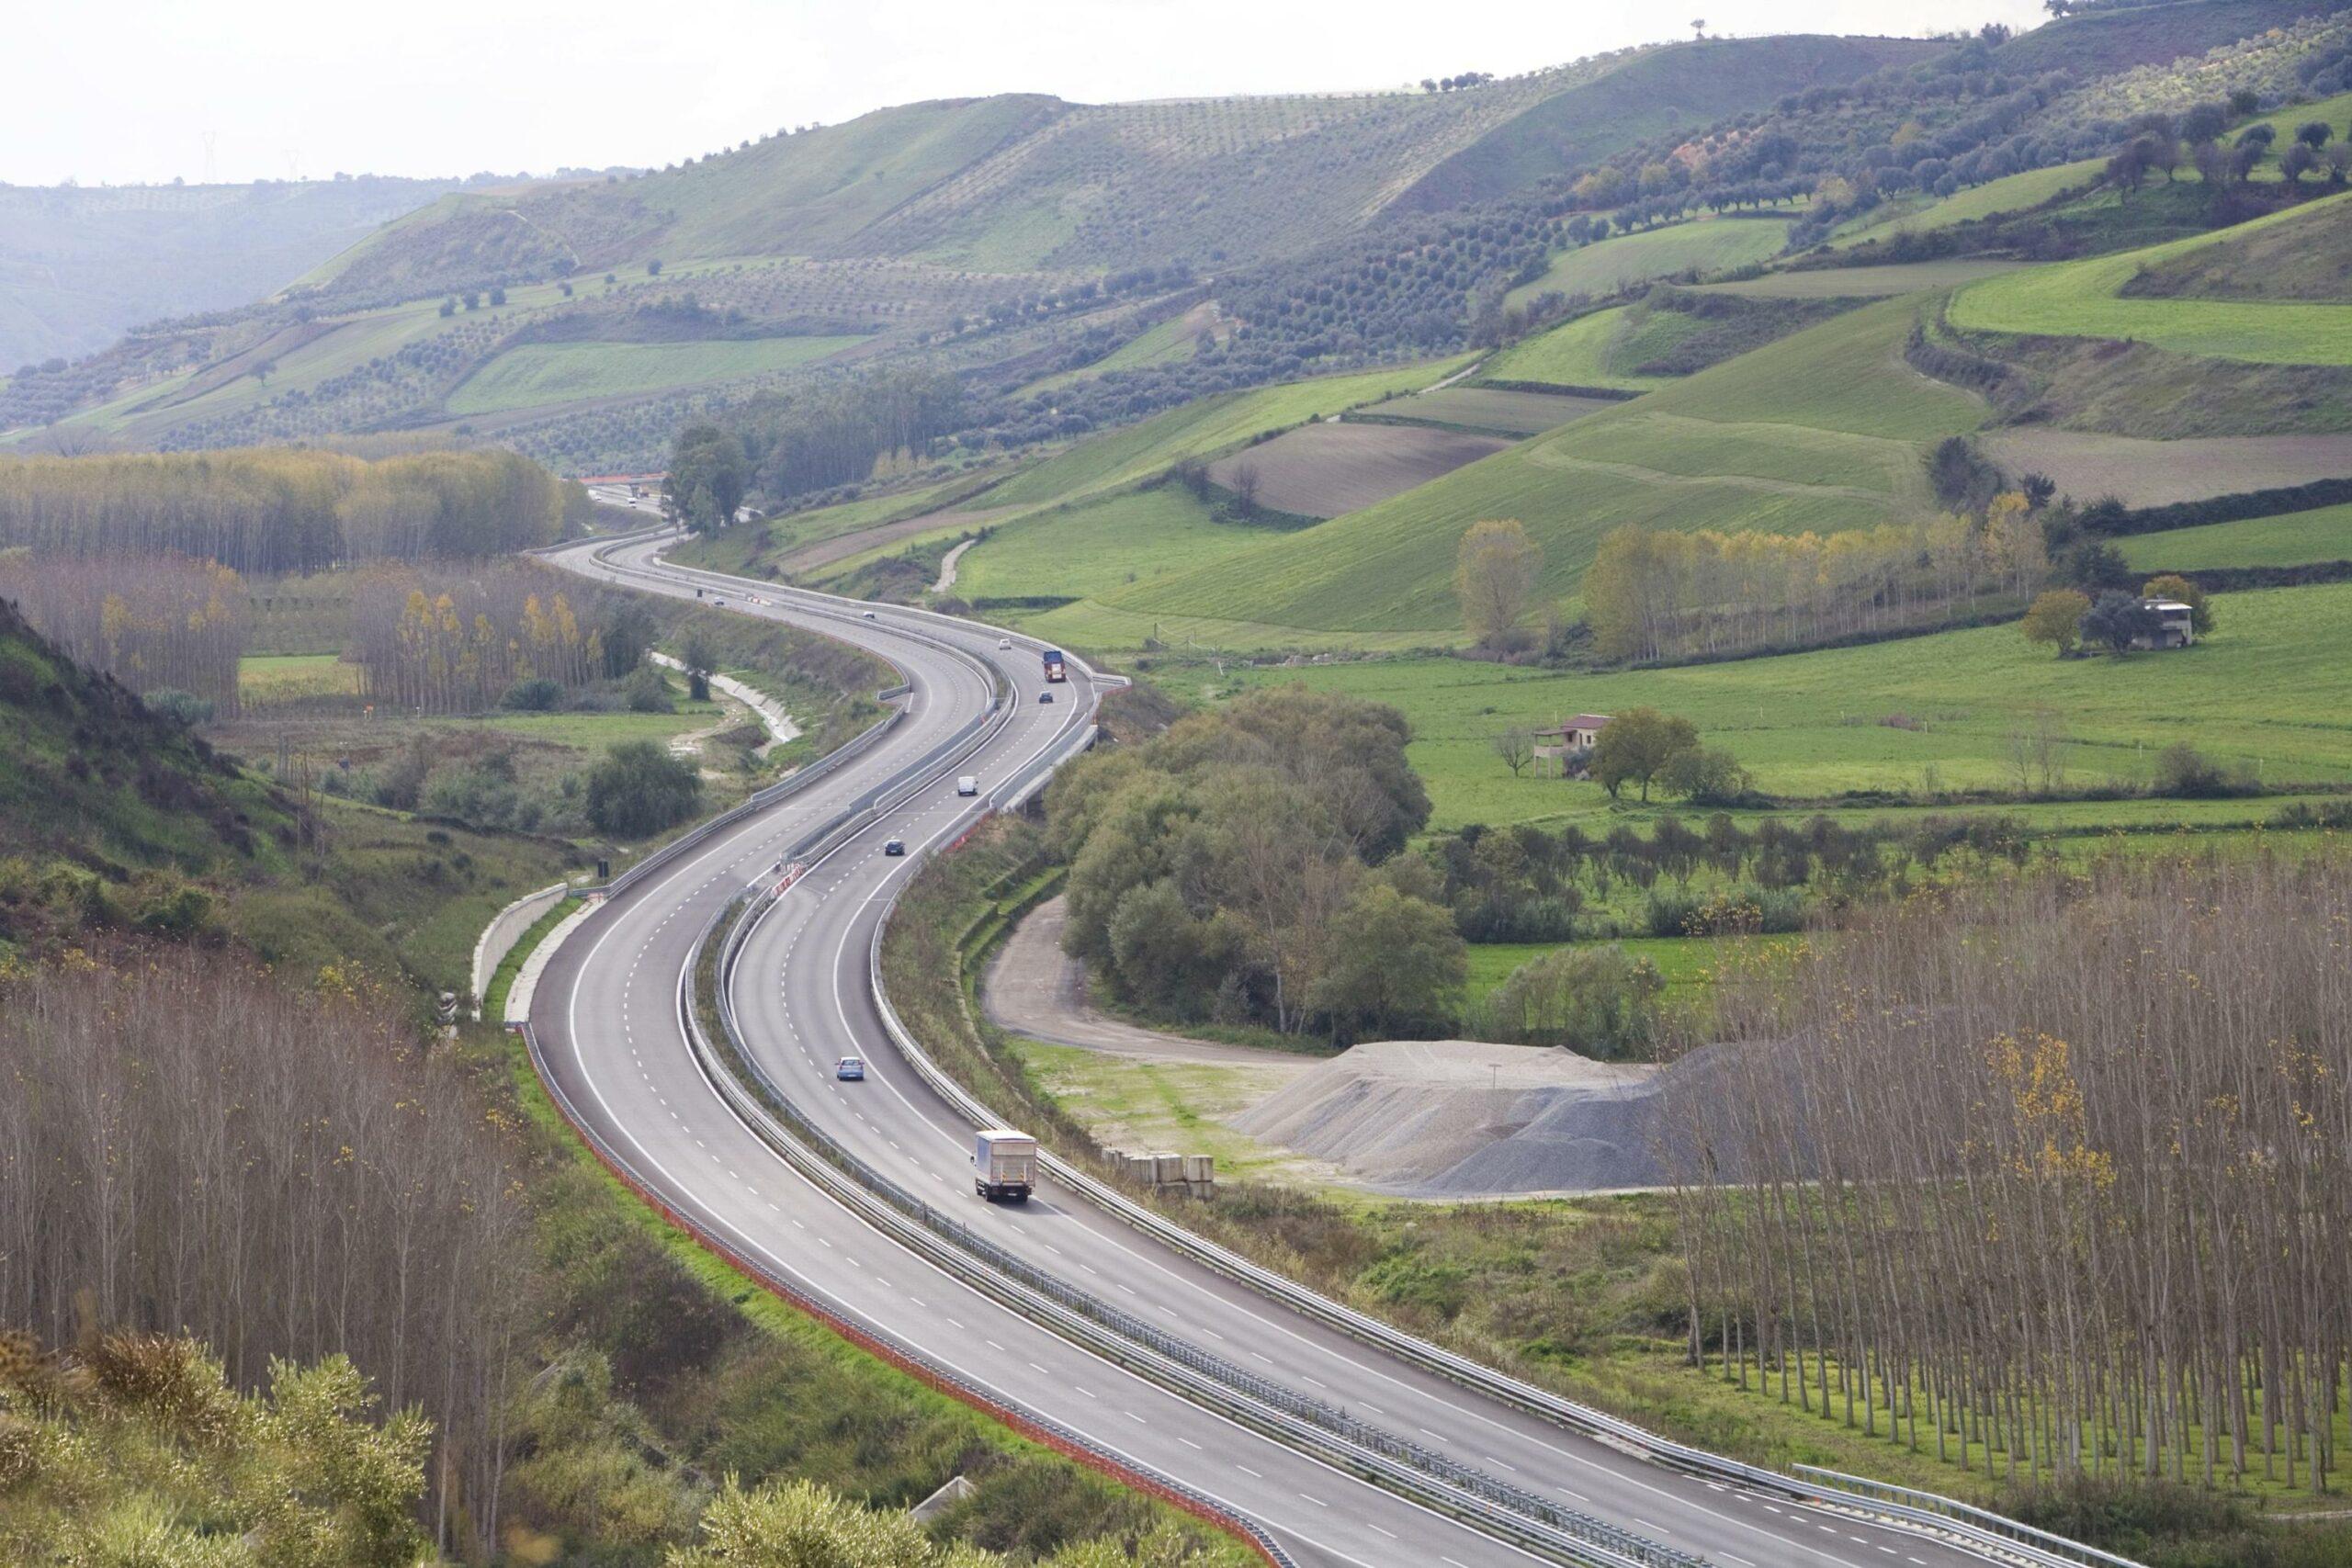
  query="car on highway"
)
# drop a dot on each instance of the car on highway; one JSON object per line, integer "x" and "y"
{"x": 850, "y": 1069}
{"x": 1044, "y": 696}
{"x": 867, "y": 613}
{"x": 968, "y": 785}
{"x": 1004, "y": 642}
{"x": 894, "y": 846}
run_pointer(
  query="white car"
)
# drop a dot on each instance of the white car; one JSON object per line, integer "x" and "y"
{"x": 867, "y": 613}
{"x": 850, "y": 1069}
{"x": 1004, "y": 642}
{"x": 968, "y": 785}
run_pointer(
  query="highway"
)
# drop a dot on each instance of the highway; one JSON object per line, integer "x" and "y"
{"x": 607, "y": 1021}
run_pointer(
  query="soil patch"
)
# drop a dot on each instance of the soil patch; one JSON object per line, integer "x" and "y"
{"x": 1322, "y": 470}
{"x": 2159, "y": 473}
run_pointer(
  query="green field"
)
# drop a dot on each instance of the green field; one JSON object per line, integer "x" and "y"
{"x": 743, "y": 547}
{"x": 1865, "y": 282}
{"x": 539, "y": 373}
{"x": 1098, "y": 545}
{"x": 2082, "y": 299}
{"x": 1824, "y": 430}
{"x": 1711, "y": 245}
{"x": 1574, "y": 353}
{"x": 265, "y": 678}
{"x": 2012, "y": 193}
{"x": 1206, "y": 428}
{"x": 2271, "y": 688}
{"x": 2293, "y": 538}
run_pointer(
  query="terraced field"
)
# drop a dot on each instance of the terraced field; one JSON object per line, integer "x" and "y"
{"x": 1825, "y": 430}
{"x": 1206, "y": 428}
{"x": 1866, "y": 282}
{"x": 1328, "y": 468}
{"x": 1097, "y": 546}
{"x": 1711, "y": 245}
{"x": 2293, "y": 538}
{"x": 2012, "y": 193}
{"x": 2087, "y": 466}
{"x": 1813, "y": 723}
{"x": 1581, "y": 353}
{"x": 2084, "y": 298}
{"x": 1495, "y": 409}
{"x": 538, "y": 374}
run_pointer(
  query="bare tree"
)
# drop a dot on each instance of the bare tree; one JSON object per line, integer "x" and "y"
{"x": 1516, "y": 747}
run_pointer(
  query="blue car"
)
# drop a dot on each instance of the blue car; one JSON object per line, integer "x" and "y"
{"x": 850, "y": 1069}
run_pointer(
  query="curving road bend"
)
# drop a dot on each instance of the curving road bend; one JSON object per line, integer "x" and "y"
{"x": 607, "y": 1018}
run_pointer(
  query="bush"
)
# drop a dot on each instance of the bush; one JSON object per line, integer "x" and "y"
{"x": 639, "y": 789}
{"x": 1594, "y": 1000}
{"x": 181, "y": 707}
{"x": 2184, "y": 772}
{"x": 646, "y": 692}
{"x": 538, "y": 695}
{"x": 1742, "y": 910}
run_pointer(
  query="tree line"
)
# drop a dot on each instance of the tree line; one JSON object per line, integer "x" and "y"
{"x": 2045, "y": 1175}
{"x": 796, "y": 443}
{"x": 1656, "y": 594}
{"x": 192, "y": 1147}
{"x": 160, "y": 622}
{"x": 275, "y": 509}
{"x": 440, "y": 640}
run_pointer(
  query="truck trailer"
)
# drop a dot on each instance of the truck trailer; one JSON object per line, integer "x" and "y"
{"x": 1004, "y": 1165}
{"x": 1054, "y": 668}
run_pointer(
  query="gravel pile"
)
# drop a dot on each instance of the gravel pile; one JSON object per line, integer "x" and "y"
{"x": 1459, "y": 1118}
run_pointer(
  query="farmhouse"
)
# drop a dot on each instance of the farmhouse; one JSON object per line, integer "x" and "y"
{"x": 2176, "y": 625}
{"x": 1569, "y": 741}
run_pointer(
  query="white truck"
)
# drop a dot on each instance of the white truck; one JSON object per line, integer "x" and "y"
{"x": 1004, "y": 1165}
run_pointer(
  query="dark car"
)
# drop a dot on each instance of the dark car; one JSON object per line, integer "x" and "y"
{"x": 1044, "y": 696}
{"x": 894, "y": 846}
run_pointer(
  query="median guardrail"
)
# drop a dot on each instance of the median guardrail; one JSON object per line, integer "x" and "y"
{"x": 1296, "y": 1421}
{"x": 1987, "y": 1533}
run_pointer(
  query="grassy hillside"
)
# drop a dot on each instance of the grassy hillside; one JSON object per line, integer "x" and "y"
{"x": 1824, "y": 430}
{"x": 2094, "y": 42}
{"x": 1713, "y": 244}
{"x": 2087, "y": 299}
{"x": 1582, "y": 353}
{"x": 537, "y": 374}
{"x": 1896, "y": 716}
{"x": 2294, "y": 538}
{"x": 2011, "y": 193}
{"x": 1662, "y": 91}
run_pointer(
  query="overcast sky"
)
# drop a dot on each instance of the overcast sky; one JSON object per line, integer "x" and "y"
{"x": 127, "y": 91}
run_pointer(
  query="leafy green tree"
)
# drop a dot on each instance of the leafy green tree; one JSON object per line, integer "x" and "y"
{"x": 708, "y": 476}
{"x": 1397, "y": 964}
{"x": 639, "y": 789}
{"x": 2315, "y": 133}
{"x": 2055, "y": 619}
{"x": 2116, "y": 619}
{"x": 803, "y": 1525}
{"x": 697, "y": 656}
{"x": 1637, "y": 745}
{"x": 1707, "y": 775}
{"x": 1597, "y": 1002}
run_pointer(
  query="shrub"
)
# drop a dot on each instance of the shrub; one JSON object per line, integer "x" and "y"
{"x": 639, "y": 789}
{"x": 538, "y": 695}
{"x": 2184, "y": 772}
{"x": 181, "y": 707}
{"x": 1596, "y": 1000}
{"x": 646, "y": 692}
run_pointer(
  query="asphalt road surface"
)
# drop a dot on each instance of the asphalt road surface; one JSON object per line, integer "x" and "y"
{"x": 607, "y": 1019}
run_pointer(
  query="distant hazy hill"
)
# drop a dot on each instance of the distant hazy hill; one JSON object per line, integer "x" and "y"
{"x": 1023, "y": 183}
{"x": 79, "y": 266}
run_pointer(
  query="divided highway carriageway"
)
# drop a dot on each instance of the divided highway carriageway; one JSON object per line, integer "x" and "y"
{"x": 1325, "y": 1437}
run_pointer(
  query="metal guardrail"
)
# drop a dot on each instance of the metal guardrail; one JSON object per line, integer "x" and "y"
{"x": 913, "y": 1359}
{"x": 1980, "y": 1530}
{"x": 1300, "y": 1421}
